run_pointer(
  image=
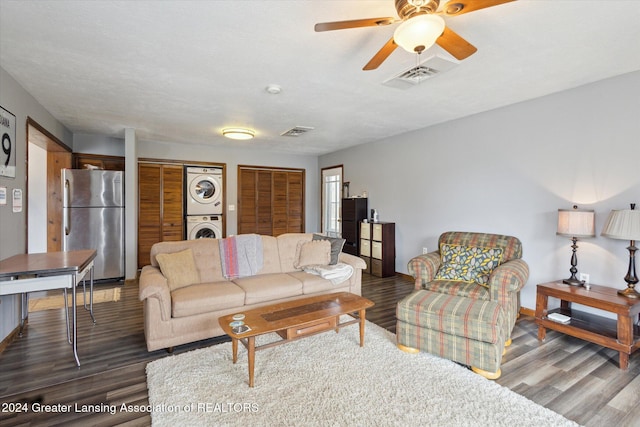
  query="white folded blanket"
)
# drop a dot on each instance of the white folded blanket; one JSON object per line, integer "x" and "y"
{"x": 337, "y": 273}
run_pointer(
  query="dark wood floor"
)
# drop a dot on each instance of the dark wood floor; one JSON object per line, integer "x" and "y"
{"x": 574, "y": 378}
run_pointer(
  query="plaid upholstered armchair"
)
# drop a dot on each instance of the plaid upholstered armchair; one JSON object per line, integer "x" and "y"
{"x": 466, "y": 300}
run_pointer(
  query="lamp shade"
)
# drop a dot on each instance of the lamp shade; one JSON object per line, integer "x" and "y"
{"x": 622, "y": 224}
{"x": 419, "y": 33}
{"x": 576, "y": 223}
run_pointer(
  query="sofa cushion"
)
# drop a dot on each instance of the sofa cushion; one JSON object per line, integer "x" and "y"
{"x": 478, "y": 320}
{"x": 179, "y": 268}
{"x": 312, "y": 283}
{"x": 206, "y": 254}
{"x": 269, "y": 287}
{"x": 205, "y": 298}
{"x": 315, "y": 252}
{"x": 468, "y": 264}
{"x": 336, "y": 246}
{"x": 458, "y": 288}
{"x": 287, "y": 246}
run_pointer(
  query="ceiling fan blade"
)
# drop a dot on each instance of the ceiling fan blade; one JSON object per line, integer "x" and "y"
{"x": 454, "y": 7}
{"x": 382, "y": 54}
{"x": 455, "y": 45}
{"x": 356, "y": 23}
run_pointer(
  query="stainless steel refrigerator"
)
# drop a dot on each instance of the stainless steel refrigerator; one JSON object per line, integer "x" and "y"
{"x": 93, "y": 218}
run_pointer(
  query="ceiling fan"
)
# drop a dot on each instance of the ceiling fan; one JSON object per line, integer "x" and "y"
{"x": 421, "y": 27}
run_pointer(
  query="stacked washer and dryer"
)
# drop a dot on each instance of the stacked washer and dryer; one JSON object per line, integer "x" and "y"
{"x": 204, "y": 202}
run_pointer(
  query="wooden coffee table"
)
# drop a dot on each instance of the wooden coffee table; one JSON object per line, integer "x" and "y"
{"x": 295, "y": 319}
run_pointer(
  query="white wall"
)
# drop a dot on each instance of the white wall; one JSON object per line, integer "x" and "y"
{"x": 37, "y": 199}
{"x": 508, "y": 171}
{"x": 13, "y": 230}
{"x": 98, "y": 144}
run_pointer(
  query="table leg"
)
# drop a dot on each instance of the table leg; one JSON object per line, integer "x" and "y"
{"x": 66, "y": 314}
{"x": 362, "y": 314}
{"x": 75, "y": 321}
{"x": 24, "y": 310}
{"x": 625, "y": 337}
{"x": 541, "y": 311}
{"x": 251, "y": 352}
{"x": 91, "y": 295}
{"x": 234, "y": 349}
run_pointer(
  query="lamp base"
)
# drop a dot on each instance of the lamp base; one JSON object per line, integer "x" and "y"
{"x": 629, "y": 293}
{"x": 573, "y": 282}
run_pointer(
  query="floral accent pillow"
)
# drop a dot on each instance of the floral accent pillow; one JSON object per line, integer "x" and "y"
{"x": 468, "y": 264}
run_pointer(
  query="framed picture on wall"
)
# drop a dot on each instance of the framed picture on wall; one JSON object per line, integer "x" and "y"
{"x": 8, "y": 153}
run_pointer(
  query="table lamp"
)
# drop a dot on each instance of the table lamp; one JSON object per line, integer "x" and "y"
{"x": 575, "y": 223}
{"x": 625, "y": 225}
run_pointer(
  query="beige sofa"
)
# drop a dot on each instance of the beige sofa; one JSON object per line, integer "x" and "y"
{"x": 190, "y": 313}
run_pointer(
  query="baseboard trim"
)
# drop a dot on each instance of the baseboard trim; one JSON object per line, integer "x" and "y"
{"x": 527, "y": 311}
{"x": 12, "y": 336}
{"x": 405, "y": 276}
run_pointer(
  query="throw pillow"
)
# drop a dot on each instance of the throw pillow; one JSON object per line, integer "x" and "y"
{"x": 336, "y": 246}
{"x": 179, "y": 268}
{"x": 468, "y": 264}
{"x": 314, "y": 252}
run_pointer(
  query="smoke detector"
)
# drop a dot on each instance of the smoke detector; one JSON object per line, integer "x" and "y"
{"x": 427, "y": 69}
{"x": 297, "y": 131}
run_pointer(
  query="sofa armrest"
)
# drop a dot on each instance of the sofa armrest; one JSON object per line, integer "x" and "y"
{"x": 424, "y": 267}
{"x": 352, "y": 260}
{"x": 154, "y": 285}
{"x": 508, "y": 277}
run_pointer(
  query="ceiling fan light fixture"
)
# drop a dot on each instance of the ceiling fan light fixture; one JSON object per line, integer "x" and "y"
{"x": 419, "y": 33}
{"x": 238, "y": 133}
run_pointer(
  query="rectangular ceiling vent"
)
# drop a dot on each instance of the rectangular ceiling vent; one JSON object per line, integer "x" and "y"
{"x": 297, "y": 131}
{"x": 427, "y": 69}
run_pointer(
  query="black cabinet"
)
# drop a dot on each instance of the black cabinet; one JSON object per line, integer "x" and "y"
{"x": 354, "y": 210}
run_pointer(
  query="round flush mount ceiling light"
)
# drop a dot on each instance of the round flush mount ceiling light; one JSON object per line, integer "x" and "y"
{"x": 238, "y": 133}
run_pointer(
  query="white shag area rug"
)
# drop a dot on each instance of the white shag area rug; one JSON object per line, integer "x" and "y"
{"x": 329, "y": 380}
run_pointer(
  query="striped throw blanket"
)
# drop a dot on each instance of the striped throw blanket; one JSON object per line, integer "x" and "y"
{"x": 241, "y": 255}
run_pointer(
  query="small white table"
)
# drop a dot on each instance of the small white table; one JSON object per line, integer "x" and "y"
{"x": 24, "y": 273}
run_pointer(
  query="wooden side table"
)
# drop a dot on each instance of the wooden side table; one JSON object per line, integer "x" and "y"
{"x": 620, "y": 335}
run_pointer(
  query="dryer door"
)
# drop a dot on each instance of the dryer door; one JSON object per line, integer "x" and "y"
{"x": 205, "y": 195}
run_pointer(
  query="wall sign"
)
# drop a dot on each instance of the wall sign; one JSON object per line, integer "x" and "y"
{"x": 17, "y": 200}
{"x": 8, "y": 152}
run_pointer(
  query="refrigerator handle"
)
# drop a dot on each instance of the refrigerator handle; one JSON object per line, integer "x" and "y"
{"x": 65, "y": 216}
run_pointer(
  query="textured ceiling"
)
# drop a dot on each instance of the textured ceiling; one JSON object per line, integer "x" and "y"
{"x": 182, "y": 70}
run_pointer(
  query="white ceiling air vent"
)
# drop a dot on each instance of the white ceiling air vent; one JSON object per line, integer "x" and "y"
{"x": 296, "y": 131}
{"x": 429, "y": 68}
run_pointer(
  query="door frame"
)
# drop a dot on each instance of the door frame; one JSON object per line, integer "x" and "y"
{"x": 58, "y": 154}
{"x": 323, "y": 208}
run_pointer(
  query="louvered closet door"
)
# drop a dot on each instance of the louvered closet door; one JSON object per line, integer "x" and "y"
{"x": 149, "y": 211}
{"x": 160, "y": 202}
{"x": 271, "y": 201}
{"x": 172, "y": 203}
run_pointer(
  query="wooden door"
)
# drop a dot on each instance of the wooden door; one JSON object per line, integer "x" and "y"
{"x": 172, "y": 203}
{"x": 264, "y": 203}
{"x": 270, "y": 201}
{"x": 295, "y": 202}
{"x": 149, "y": 210}
{"x": 280, "y": 220}
{"x": 247, "y": 212}
{"x": 56, "y": 161}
